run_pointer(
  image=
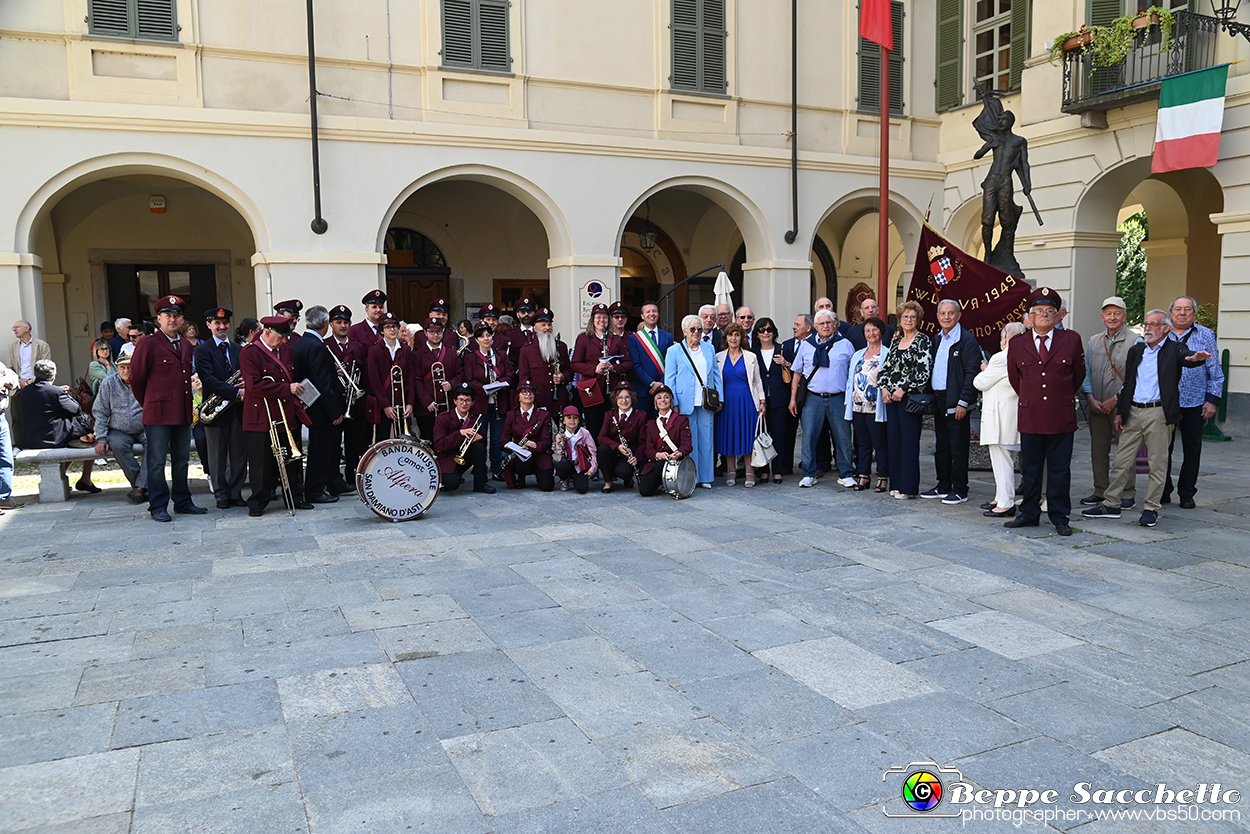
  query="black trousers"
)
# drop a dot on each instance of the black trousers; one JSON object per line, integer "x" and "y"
{"x": 475, "y": 459}
{"x": 227, "y": 453}
{"x": 612, "y": 464}
{"x": 357, "y": 434}
{"x": 263, "y": 468}
{"x": 785, "y": 461}
{"x": 565, "y": 471}
{"x": 950, "y": 458}
{"x": 425, "y": 425}
{"x": 325, "y": 448}
{"x": 522, "y": 468}
{"x": 1190, "y": 429}
{"x": 1049, "y": 455}
{"x": 649, "y": 482}
{"x": 869, "y": 438}
{"x": 775, "y": 418}
{"x": 593, "y": 416}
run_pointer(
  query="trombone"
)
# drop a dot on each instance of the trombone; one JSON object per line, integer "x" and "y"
{"x": 280, "y": 453}
{"x": 464, "y": 447}
{"x": 397, "y": 378}
{"x": 438, "y": 373}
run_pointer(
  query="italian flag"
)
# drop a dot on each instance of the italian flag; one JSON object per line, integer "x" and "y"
{"x": 1191, "y": 111}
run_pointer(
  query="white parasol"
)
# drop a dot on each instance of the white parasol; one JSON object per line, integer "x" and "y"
{"x": 723, "y": 289}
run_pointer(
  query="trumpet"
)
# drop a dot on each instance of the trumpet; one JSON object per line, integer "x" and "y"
{"x": 397, "y": 378}
{"x": 438, "y": 373}
{"x": 464, "y": 447}
{"x": 212, "y": 407}
{"x": 280, "y": 453}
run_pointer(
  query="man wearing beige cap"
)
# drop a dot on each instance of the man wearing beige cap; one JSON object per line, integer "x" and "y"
{"x": 1105, "y": 358}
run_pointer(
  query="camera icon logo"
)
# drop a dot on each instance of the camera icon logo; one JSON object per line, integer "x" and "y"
{"x": 923, "y": 786}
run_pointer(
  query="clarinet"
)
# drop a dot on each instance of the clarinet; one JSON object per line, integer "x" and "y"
{"x": 624, "y": 447}
{"x": 511, "y": 456}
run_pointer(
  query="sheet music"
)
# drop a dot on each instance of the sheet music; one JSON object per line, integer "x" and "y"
{"x": 520, "y": 451}
{"x": 311, "y": 394}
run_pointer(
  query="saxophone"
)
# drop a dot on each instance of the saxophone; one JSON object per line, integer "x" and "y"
{"x": 212, "y": 407}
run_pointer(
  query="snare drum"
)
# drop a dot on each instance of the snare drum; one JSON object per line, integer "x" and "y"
{"x": 678, "y": 477}
{"x": 398, "y": 479}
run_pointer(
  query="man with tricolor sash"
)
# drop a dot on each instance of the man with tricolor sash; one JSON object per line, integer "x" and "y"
{"x": 646, "y": 350}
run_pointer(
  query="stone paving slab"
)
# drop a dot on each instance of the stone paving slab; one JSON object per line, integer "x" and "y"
{"x": 744, "y": 661}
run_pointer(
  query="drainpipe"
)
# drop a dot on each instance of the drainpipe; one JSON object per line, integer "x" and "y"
{"x": 319, "y": 224}
{"x": 793, "y": 234}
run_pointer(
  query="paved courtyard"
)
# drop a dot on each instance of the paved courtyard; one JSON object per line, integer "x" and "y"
{"x": 744, "y": 661}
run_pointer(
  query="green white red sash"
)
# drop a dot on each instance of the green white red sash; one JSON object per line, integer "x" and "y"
{"x": 651, "y": 348}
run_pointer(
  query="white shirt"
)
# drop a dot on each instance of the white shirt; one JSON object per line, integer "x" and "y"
{"x": 393, "y": 350}
{"x": 1037, "y": 341}
{"x": 768, "y": 358}
{"x": 25, "y": 351}
{"x": 700, "y": 365}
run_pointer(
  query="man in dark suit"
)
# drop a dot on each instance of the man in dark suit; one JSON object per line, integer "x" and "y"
{"x": 160, "y": 376}
{"x": 313, "y": 362}
{"x": 955, "y": 361}
{"x": 647, "y": 347}
{"x": 53, "y": 419}
{"x": 711, "y": 333}
{"x": 1148, "y": 408}
{"x": 868, "y": 309}
{"x": 1046, "y": 368}
{"x": 216, "y": 360}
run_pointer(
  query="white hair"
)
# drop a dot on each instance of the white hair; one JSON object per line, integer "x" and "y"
{"x": 1167, "y": 319}
{"x": 711, "y": 307}
{"x": 1012, "y": 329}
{"x": 945, "y": 301}
{"x": 828, "y": 314}
{"x": 688, "y": 322}
{"x": 117, "y": 325}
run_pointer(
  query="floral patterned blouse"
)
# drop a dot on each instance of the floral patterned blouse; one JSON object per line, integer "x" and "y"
{"x": 906, "y": 368}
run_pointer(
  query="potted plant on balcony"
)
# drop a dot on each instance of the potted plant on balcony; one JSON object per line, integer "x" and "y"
{"x": 1157, "y": 16}
{"x": 1108, "y": 46}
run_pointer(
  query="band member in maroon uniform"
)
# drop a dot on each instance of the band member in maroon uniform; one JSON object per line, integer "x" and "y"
{"x": 457, "y": 430}
{"x": 268, "y": 383}
{"x": 290, "y": 310}
{"x": 673, "y": 443}
{"x": 599, "y": 355}
{"x": 626, "y": 425}
{"x": 489, "y": 315}
{"x": 545, "y": 362}
{"x": 160, "y": 377}
{"x": 368, "y": 332}
{"x": 434, "y": 395}
{"x": 528, "y": 426}
{"x": 389, "y": 379}
{"x": 522, "y": 332}
{"x": 438, "y": 310}
{"x": 357, "y": 430}
{"x": 1046, "y": 367}
{"x": 618, "y": 316}
{"x": 482, "y": 367}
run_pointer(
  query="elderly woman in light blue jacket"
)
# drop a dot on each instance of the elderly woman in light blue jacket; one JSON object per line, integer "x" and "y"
{"x": 865, "y": 409}
{"x": 690, "y": 366}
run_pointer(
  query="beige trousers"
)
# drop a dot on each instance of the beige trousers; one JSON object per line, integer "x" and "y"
{"x": 1145, "y": 425}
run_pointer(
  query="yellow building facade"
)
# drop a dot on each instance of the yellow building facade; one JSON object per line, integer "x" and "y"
{"x": 480, "y": 150}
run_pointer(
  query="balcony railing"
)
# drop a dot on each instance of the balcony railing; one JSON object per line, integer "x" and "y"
{"x": 1086, "y": 87}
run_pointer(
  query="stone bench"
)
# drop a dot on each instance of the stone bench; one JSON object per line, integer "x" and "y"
{"x": 54, "y": 484}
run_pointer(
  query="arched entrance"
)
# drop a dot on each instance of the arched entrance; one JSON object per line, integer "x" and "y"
{"x": 416, "y": 274}
{"x": 113, "y": 241}
{"x": 850, "y": 232}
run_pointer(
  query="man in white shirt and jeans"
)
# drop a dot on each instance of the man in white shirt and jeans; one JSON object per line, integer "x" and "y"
{"x": 824, "y": 360}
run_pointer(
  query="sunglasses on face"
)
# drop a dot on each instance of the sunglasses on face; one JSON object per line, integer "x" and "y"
{"x": 768, "y": 330}
{"x": 747, "y": 318}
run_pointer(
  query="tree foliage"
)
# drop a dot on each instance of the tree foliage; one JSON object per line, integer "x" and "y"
{"x": 1130, "y": 266}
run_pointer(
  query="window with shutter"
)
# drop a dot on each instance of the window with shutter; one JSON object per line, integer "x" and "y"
{"x": 145, "y": 19}
{"x": 1021, "y": 28}
{"x": 991, "y": 43}
{"x": 475, "y": 35}
{"x": 870, "y": 69}
{"x": 699, "y": 46}
{"x": 950, "y": 44}
{"x": 1102, "y": 12}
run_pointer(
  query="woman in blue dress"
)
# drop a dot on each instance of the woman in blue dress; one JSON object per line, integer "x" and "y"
{"x": 744, "y": 402}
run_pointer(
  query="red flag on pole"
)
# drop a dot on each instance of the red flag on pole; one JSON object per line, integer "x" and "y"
{"x": 874, "y": 22}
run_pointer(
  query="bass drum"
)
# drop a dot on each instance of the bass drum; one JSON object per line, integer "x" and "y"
{"x": 398, "y": 479}
{"x": 678, "y": 477}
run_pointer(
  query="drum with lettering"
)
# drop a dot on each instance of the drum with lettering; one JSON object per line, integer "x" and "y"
{"x": 398, "y": 479}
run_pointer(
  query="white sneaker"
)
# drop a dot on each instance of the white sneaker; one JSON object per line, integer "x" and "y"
{"x": 846, "y": 482}
{"x": 807, "y": 482}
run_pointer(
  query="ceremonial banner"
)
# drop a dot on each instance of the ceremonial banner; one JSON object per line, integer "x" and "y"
{"x": 990, "y": 297}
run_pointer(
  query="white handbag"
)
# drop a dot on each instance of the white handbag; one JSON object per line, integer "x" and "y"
{"x": 763, "y": 452}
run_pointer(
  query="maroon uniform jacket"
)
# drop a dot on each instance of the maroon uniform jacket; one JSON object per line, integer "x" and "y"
{"x": 423, "y": 360}
{"x": 352, "y": 352}
{"x": 1046, "y": 388}
{"x": 473, "y": 369}
{"x": 363, "y": 334}
{"x": 634, "y": 430}
{"x": 256, "y": 362}
{"x": 516, "y": 340}
{"x": 160, "y": 378}
{"x": 448, "y": 440}
{"x": 678, "y": 427}
{"x": 587, "y": 352}
{"x": 534, "y": 369}
{"x": 378, "y": 377}
{"x": 515, "y": 427}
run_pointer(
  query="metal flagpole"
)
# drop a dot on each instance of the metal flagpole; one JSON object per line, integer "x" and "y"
{"x": 883, "y": 240}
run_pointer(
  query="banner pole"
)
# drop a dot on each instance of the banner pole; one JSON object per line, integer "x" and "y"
{"x": 883, "y": 240}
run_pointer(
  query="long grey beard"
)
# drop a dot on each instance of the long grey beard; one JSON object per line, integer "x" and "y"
{"x": 546, "y": 346}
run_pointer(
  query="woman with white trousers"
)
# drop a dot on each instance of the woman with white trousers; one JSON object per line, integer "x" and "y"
{"x": 999, "y": 405}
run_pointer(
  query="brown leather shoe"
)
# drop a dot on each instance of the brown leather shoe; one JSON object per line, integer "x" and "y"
{"x": 137, "y": 496}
